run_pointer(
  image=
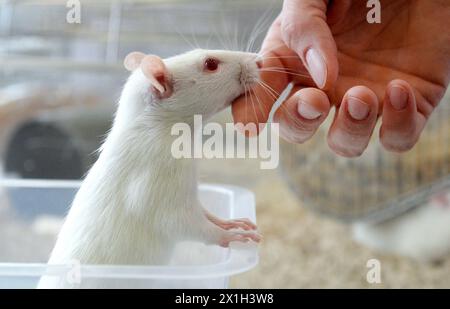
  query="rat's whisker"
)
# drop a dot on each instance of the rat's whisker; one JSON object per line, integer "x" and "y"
{"x": 269, "y": 92}
{"x": 253, "y": 104}
{"x": 252, "y": 36}
{"x": 267, "y": 85}
{"x": 259, "y": 102}
{"x": 194, "y": 37}
{"x": 240, "y": 34}
{"x": 226, "y": 32}
{"x": 287, "y": 72}
{"x": 261, "y": 27}
{"x": 219, "y": 37}
{"x": 208, "y": 41}
{"x": 282, "y": 69}
{"x": 244, "y": 35}
{"x": 271, "y": 95}
{"x": 282, "y": 57}
{"x": 192, "y": 46}
{"x": 279, "y": 68}
{"x": 246, "y": 101}
{"x": 237, "y": 44}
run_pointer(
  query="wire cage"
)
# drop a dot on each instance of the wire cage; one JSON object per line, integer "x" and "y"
{"x": 377, "y": 186}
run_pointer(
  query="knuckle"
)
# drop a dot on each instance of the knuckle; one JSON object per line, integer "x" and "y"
{"x": 295, "y": 137}
{"x": 299, "y": 132}
{"x": 343, "y": 149}
{"x": 290, "y": 30}
{"x": 296, "y": 130}
{"x": 289, "y": 27}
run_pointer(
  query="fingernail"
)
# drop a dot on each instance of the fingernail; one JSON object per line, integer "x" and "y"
{"x": 357, "y": 109}
{"x": 398, "y": 97}
{"x": 316, "y": 67}
{"x": 307, "y": 111}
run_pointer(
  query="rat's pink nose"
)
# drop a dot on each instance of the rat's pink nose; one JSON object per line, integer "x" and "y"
{"x": 259, "y": 63}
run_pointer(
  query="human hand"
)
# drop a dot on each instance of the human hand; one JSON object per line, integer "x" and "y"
{"x": 397, "y": 71}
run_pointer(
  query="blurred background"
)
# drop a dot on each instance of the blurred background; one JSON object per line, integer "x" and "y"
{"x": 59, "y": 84}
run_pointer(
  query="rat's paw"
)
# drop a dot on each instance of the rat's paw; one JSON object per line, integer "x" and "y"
{"x": 231, "y": 236}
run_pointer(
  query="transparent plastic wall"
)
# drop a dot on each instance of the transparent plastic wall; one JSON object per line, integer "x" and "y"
{"x": 379, "y": 184}
{"x": 31, "y": 214}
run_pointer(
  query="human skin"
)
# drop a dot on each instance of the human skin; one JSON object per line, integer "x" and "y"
{"x": 395, "y": 72}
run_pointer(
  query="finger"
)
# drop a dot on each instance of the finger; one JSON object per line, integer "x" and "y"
{"x": 354, "y": 122}
{"x": 302, "y": 114}
{"x": 401, "y": 121}
{"x": 290, "y": 62}
{"x": 304, "y": 29}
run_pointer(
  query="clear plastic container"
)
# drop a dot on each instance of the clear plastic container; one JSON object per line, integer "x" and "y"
{"x": 31, "y": 212}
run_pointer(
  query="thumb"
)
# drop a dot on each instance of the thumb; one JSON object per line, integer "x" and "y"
{"x": 305, "y": 30}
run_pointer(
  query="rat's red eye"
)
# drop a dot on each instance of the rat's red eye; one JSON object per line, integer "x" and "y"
{"x": 211, "y": 64}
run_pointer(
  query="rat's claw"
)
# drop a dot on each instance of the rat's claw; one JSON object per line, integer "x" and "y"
{"x": 238, "y": 236}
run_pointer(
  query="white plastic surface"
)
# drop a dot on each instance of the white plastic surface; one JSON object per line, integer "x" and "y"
{"x": 29, "y": 211}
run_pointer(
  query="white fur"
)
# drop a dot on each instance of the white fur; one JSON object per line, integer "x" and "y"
{"x": 137, "y": 200}
{"x": 422, "y": 234}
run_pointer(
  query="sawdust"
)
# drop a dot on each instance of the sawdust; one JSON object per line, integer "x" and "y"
{"x": 303, "y": 250}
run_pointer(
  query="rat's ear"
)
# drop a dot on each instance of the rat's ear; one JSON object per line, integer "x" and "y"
{"x": 155, "y": 70}
{"x": 133, "y": 60}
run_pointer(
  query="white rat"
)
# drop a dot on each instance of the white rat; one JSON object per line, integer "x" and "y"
{"x": 138, "y": 201}
{"x": 422, "y": 233}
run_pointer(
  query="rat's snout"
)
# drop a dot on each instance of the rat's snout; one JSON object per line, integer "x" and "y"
{"x": 259, "y": 63}
{"x": 250, "y": 72}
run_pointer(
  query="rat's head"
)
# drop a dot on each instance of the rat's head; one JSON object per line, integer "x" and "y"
{"x": 200, "y": 82}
